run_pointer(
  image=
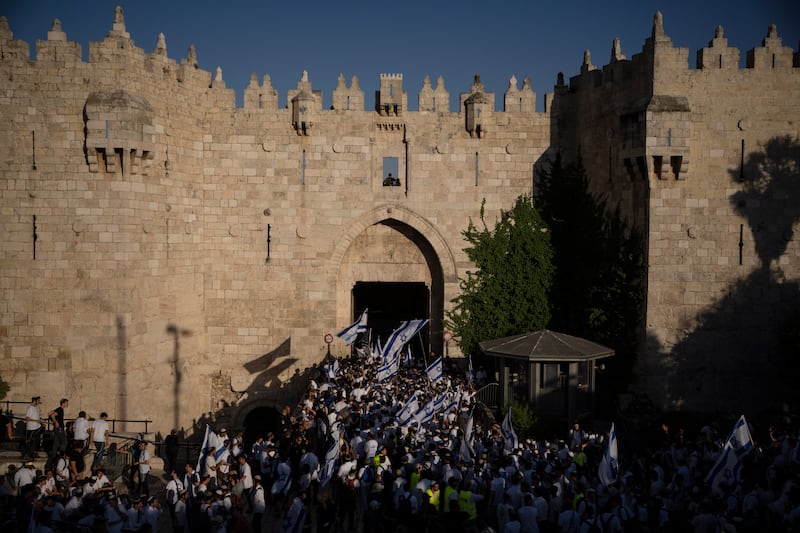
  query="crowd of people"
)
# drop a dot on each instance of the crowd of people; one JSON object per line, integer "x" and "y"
{"x": 354, "y": 455}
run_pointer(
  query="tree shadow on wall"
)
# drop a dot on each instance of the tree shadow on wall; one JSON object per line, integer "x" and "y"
{"x": 741, "y": 354}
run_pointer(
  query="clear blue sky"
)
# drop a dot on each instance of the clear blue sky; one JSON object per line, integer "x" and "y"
{"x": 416, "y": 38}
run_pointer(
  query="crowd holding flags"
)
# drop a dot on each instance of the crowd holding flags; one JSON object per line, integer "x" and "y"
{"x": 350, "y": 333}
{"x": 608, "y": 470}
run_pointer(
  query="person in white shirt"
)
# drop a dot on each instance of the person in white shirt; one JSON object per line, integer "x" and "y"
{"x": 80, "y": 430}
{"x": 174, "y": 488}
{"x": 33, "y": 428}
{"x": 246, "y": 478}
{"x": 99, "y": 431}
{"x": 181, "y": 512}
{"x": 144, "y": 470}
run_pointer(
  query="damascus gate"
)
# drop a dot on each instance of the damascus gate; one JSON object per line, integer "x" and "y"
{"x": 168, "y": 255}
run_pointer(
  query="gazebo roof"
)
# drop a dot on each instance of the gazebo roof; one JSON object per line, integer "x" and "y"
{"x": 546, "y": 345}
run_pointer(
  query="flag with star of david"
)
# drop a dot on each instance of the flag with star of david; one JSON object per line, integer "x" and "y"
{"x": 400, "y": 337}
{"x": 727, "y": 469}
{"x": 607, "y": 471}
{"x": 435, "y": 370}
{"x": 350, "y": 333}
{"x": 740, "y": 440}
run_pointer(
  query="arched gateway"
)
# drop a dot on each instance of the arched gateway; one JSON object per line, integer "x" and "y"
{"x": 394, "y": 262}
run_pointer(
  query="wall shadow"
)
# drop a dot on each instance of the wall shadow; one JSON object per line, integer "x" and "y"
{"x": 266, "y": 392}
{"x": 733, "y": 357}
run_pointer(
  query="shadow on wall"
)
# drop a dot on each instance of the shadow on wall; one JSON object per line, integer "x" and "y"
{"x": 265, "y": 390}
{"x": 741, "y": 354}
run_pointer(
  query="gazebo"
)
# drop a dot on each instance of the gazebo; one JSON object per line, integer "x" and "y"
{"x": 553, "y": 371}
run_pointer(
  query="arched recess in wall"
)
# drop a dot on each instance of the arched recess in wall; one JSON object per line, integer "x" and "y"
{"x": 395, "y": 245}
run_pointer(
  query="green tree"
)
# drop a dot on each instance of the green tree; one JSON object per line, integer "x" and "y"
{"x": 507, "y": 293}
{"x": 599, "y": 260}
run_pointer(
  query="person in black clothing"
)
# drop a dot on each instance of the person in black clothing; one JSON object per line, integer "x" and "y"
{"x": 7, "y": 430}
{"x": 56, "y": 417}
{"x": 171, "y": 448}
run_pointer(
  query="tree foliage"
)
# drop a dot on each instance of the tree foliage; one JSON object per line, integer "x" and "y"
{"x": 507, "y": 293}
{"x": 599, "y": 260}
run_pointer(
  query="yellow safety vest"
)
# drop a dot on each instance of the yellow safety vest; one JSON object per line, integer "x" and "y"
{"x": 433, "y": 498}
{"x": 466, "y": 504}
{"x": 447, "y": 492}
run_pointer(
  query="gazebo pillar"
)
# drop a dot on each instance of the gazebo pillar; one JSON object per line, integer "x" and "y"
{"x": 504, "y": 383}
{"x": 572, "y": 388}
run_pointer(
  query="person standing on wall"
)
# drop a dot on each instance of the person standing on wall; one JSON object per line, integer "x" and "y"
{"x": 56, "y": 417}
{"x": 33, "y": 428}
{"x": 99, "y": 433}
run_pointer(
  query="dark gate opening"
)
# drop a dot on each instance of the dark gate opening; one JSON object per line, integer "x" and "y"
{"x": 389, "y": 304}
{"x": 259, "y": 422}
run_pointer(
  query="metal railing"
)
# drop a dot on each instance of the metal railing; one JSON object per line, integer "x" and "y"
{"x": 487, "y": 395}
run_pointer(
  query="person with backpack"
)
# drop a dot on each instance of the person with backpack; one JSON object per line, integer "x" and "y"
{"x": 366, "y": 477}
{"x": 407, "y": 507}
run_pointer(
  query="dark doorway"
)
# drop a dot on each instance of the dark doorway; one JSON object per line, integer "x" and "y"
{"x": 259, "y": 422}
{"x": 389, "y": 304}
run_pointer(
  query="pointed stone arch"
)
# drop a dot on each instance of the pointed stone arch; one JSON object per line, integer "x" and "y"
{"x": 438, "y": 271}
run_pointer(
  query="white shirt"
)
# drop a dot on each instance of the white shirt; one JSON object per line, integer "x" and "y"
{"x": 99, "y": 430}
{"x": 144, "y": 455}
{"x": 33, "y": 414}
{"x": 81, "y": 429}
{"x": 246, "y": 475}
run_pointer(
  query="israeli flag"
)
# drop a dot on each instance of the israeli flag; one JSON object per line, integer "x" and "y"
{"x": 727, "y": 468}
{"x": 209, "y": 439}
{"x": 435, "y": 370}
{"x": 330, "y": 462}
{"x": 607, "y": 471}
{"x": 388, "y": 370}
{"x": 466, "y": 451}
{"x": 470, "y": 373}
{"x": 740, "y": 440}
{"x": 509, "y": 435}
{"x": 426, "y": 414}
{"x": 401, "y": 336}
{"x": 333, "y": 369}
{"x": 408, "y": 410}
{"x": 408, "y": 357}
{"x": 350, "y": 333}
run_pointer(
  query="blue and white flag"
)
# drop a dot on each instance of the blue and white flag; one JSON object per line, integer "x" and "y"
{"x": 426, "y": 414}
{"x": 470, "y": 373}
{"x": 740, "y": 440}
{"x": 466, "y": 451}
{"x": 333, "y": 369}
{"x": 209, "y": 439}
{"x": 387, "y": 370}
{"x": 509, "y": 435}
{"x": 330, "y": 463}
{"x": 727, "y": 469}
{"x": 608, "y": 469}
{"x": 408, "y": 357}
{"x": 350, "y": 333}
{"x": 406, "y": 414}
{"x": 435, "y": 370}
{"x": 401, "y": 336}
